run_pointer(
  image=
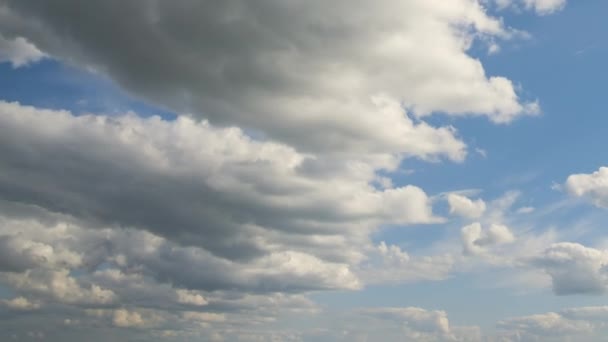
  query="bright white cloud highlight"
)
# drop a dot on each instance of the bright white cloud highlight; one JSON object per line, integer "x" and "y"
{"x": 18, "y": 51}
{"x": 465, "y": 207}
{"x": 475, "y": 239}
{"x": 593, "y": 186}
{"x": 574, "y": 268}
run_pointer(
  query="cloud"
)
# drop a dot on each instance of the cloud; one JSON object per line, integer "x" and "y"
{"x": 475, "y": 239}
{"x": 593, "y": 187}
{"x": 390, "y": 264}
{"x": 19, "y": 254}
{"x": 147, "y": 228}
{"x": 574, "y": 268}
{"x": 545, "y": 6}
{"x": 525, "y": 210}
{"x": 416, "y": 324}
{"x": 123, "y": 318}
{"x": 465, "y": 207}
{"x": 20, "y": 303}
{"x": 583, "y": 322}
{"x": 541, "y": 7}
{"x": 417, "y": 318}
{"x": 58, "y": 285}
{"x": 18, "y": 51}
{"x": 545, "y": 325}
{"x": 132, "y": 279}
{"x": 190, "y": 297}
{"x": 199, "y": 185}
{"x": 317, "y": 77}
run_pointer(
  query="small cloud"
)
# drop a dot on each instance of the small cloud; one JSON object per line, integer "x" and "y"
{"x": 19, "y": 52}
{"x": 493, "y": 49}
{"x": 481, "y": 152}
{"x": 556, "y": 187}
{"x": 525, "y": 210}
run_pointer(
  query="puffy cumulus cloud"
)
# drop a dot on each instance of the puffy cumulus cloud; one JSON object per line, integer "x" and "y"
{"x": 574, "y": 268}
{"x": 199, "y": 185}
{"x": 144, "y": 268}
{"x": 465, "y": 207}
{"x": 19, "y": 254}
{"x": 18, "y": 51}
{"x": 133, "y": 279}
{"x": 190, "y": 297}
{"x": 318, "y": 77}
{"x": 123, "y": 318}
{"x": 593, "y": 187}
{"x": 58, "y": 285}
{"x": 475, "y": 239}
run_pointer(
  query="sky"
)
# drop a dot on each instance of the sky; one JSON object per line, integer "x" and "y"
{"x": 396, "y": 170}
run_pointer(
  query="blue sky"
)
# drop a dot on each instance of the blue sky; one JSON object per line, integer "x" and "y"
{"x": 413, "y": 164}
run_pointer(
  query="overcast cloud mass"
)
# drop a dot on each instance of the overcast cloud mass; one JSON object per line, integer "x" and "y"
{"x": 201, "y": 170}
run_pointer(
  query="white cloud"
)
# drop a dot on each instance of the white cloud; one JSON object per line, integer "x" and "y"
{"x": 465, "y": 207}
{"x": 18, "y": 51}
{"x": 190, "y": 297}
{"x": 20, "y": 303}
{"x": 584, "y": 323}
{"x": 145, "y": 222}
{"x": 545, "y": 325}
{"x": 475, "y": 239}
{"x": 390, "y": 264}
{"x": 545, "y": 6}
{"x": 412, "y": 323}
{"x": 417, "y": 318}
{"x": 525, "y": 210}
{"x": 18, "y": 254}
{"x": 318, "y": 77}
{"x": 273, "y": 198}
{"x": 124, "y": 319}
{"x": 574, "y": 268}
{"x": 541, "y": 7}
{"x": 59, "y": 286}
{"x": 593, "y": 187}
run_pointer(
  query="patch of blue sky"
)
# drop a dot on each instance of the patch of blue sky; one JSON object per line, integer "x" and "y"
{"x": 467, "y": 298}
{"x": 54, "y": 85}
{"x": 562, "y": 68}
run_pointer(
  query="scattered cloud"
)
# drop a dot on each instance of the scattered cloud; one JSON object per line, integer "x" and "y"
{"x": 574, "y": 268}
{"x": 18, "y": 51}
{"x": 475, "y": 239}
{"x": 541, "y": 7}
{"x": 465, "y": 207}
{"x": 593, "y": 186}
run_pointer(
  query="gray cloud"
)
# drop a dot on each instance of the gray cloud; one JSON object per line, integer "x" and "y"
{"x": 192, "y": 183}
{"x": 125, "y": 228}
{"x": 319, "y": 77}
{"x": 574, "y": 268}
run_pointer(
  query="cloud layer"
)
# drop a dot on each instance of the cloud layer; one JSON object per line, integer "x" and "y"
{"x": 317, "y": 76}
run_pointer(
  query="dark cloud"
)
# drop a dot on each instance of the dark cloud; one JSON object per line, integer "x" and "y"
{"x": 303, "y": 72}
